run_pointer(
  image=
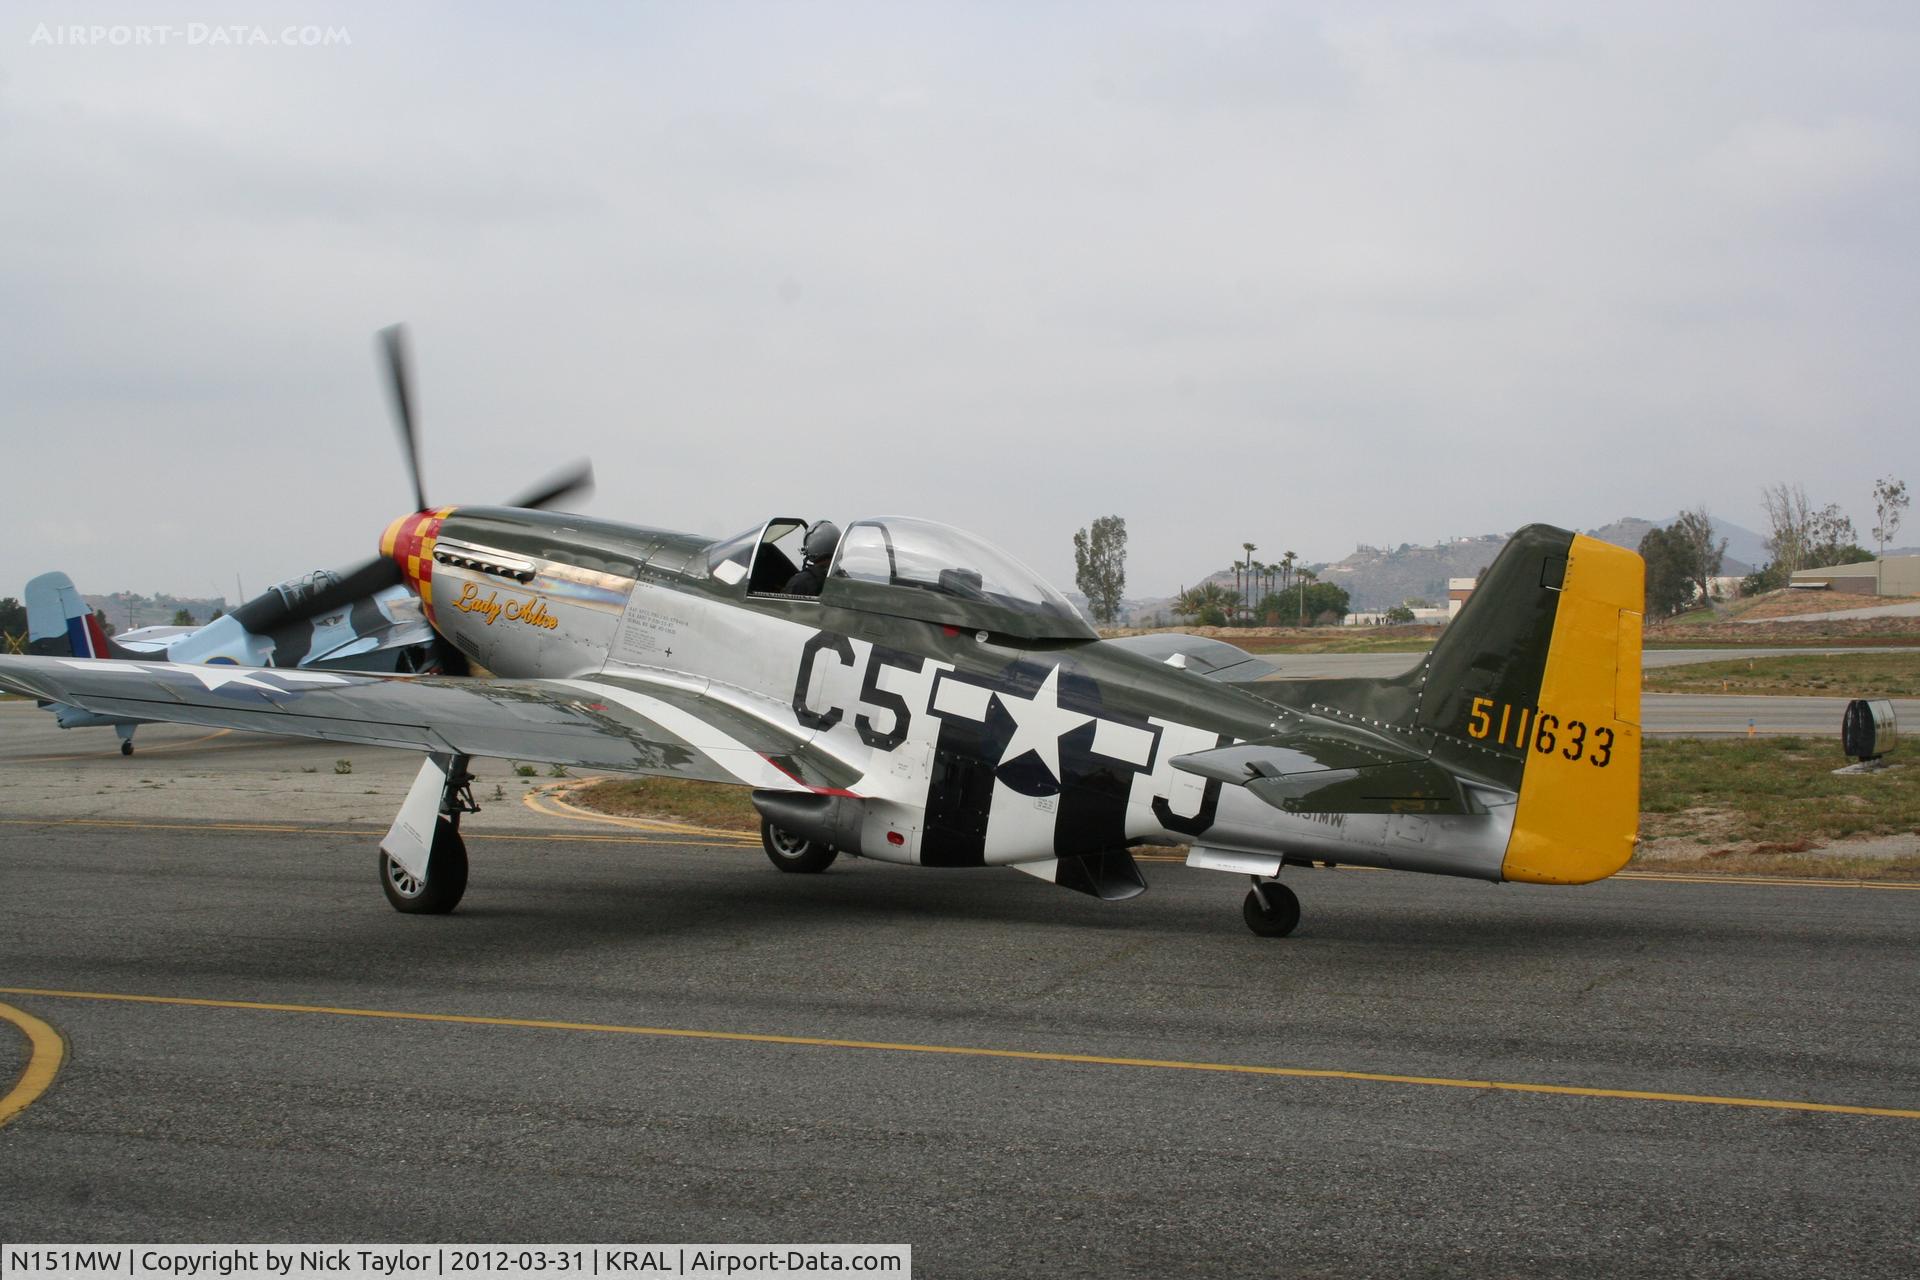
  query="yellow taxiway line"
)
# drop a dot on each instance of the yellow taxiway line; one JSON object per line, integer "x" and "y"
{"x": 43, "y": 1061}
{"x": 974, "y": 1051}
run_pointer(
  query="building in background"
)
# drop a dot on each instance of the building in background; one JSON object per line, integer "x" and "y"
{"x": 1892, "y": 576}
{"x": 1459, "y": 591}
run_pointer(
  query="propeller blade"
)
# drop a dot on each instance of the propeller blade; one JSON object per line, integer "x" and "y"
{"x": 375, "y": 575}
{"x": 271, "y": 611}
{"x": 393, "y": 342}
{"x": 577, "y": 478}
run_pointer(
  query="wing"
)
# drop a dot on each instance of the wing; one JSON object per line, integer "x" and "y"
{"x": 1203, "y": 656}
{"x": 598, "y": 722}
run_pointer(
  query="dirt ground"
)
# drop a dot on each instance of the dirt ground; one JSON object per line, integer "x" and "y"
{"x": 1862, "y": 631}
{"x": 1787, "y": 603}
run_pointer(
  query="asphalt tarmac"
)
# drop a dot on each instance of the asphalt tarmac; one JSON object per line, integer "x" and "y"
{"x": 636, "y": 1035}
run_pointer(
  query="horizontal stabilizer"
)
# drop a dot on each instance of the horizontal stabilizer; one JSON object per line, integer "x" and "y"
{"x": 1324, "y": 772}
{"x": 1213, "y": 659}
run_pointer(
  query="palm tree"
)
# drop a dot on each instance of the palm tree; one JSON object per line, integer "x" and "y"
{"x": 1249, "y": 548}
{"x": 1306, "y": 575}
{"x": 1208, "y": 597}
{"x": 1286, "y": 570}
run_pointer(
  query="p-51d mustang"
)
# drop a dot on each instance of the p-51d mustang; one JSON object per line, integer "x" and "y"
{"x": 936, "y": 704}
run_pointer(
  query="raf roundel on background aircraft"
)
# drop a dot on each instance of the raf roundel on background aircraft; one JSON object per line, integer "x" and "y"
{"x": 937, "y": 704}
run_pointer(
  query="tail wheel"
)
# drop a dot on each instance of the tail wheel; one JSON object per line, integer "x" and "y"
{"x": 445, "y": 882}
{"x": 790, "y": 852}
{"x": 1272, "y": 910}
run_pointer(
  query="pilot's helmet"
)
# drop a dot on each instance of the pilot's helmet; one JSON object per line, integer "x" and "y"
{"x": 821, "y": 540}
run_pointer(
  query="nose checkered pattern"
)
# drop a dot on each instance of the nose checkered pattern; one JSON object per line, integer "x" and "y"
{"x": 409, "y": 541}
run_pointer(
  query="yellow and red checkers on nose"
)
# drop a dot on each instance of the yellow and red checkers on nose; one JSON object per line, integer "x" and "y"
{"x": 409, "y": 542}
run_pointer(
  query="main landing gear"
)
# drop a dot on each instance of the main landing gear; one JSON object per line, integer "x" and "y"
{"x": 790, "y": 852}
{"x": 126, "y": 738}
{"x": 1272, "y": 910}
{"x": 430, "y": 818}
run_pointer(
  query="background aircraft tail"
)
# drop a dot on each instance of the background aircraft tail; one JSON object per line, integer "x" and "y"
{"x": 60, "y": 624}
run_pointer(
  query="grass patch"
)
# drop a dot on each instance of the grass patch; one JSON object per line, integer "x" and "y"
{"x": 698, "y": 804}
{"x": 1768, "y": 797}
{"x": 1836, "y": 675}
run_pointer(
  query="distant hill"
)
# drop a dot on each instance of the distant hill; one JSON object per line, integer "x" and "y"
{"x": 1746, "y": 550}
{"x": 1627, "y": 531}
{"x": 1378, "y": 578}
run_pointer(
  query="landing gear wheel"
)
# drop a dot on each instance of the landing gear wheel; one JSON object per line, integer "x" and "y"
{"x": 790, "y": 852}
{"x": 446, "y": 878}
{"x": 1271, "y": 909}
{"x": 126, "y": 748}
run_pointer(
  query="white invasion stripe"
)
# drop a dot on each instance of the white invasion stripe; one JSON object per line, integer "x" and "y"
{"x": 309, "y": 677}
{"x": 106, "y": 664}
{"x": 742, "y": 761}
{"x": 1018, "y": 827}
{"x": 1122, "y": 742}
{"x": 958, "y": 698}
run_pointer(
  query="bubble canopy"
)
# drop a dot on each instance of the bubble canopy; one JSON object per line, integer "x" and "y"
{"x": 922, "y": 569}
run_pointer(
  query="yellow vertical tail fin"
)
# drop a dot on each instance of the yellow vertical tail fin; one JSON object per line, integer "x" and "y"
{"x": 1579, "y": 811}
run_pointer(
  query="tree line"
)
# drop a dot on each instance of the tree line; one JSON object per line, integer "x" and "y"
{"x": 1284, "y": 592}
{"x": 1684, "y": 558}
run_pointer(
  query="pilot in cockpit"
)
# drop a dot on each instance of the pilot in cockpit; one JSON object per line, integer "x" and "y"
{"x": 818, "y": 550}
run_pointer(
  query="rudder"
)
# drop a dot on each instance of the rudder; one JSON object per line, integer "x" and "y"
{"x": 1579, "y": 812}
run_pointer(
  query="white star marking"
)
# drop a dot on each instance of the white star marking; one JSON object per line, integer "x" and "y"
{"x": 1040, "y": 722}
{"x": 213, "y": 676}
{"x": 216, "y": 677}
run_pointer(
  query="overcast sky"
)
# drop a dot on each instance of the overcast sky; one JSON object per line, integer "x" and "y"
{"x": 1299, "y": 275}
